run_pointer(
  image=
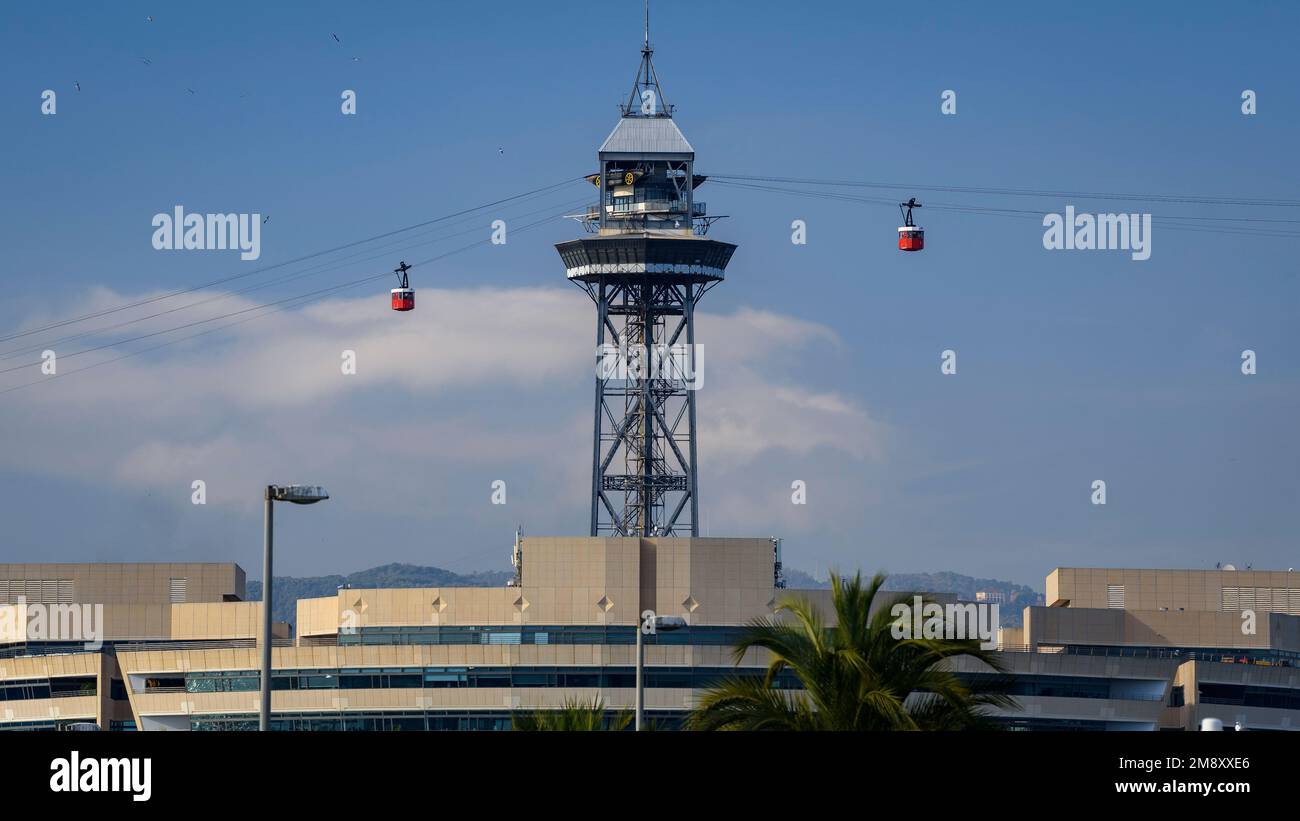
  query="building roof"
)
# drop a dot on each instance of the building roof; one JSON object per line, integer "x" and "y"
{"x": 646, "y": 135}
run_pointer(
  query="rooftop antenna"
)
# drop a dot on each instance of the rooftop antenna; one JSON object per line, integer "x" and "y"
{"x": 517, "y": 559}
{"x": 646, "y": 79}
{"x": 646, "y": 50}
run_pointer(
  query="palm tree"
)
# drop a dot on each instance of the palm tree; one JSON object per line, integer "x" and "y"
{"x": 574, "y": 715}
{"x": 855, "y": 675}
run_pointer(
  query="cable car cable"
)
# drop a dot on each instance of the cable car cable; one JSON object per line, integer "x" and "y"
{"x": 738, "y": 181}
{"x": 288, "y": 262}
{"x": 1169, "y": 221}
{"x": 1024, "y": 192}
{"x": 279, "y": 281}
{"x": 276, "y": 307}
{"x": 299, "y": 275}
{"x": 973, "y": 207}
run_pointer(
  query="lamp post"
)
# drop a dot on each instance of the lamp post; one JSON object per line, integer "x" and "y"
{"x": 298, "y": 495}
{"x": 649, "y": 624}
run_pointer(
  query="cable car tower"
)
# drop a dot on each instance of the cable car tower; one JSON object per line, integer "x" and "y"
{"x": 646, "y": 264}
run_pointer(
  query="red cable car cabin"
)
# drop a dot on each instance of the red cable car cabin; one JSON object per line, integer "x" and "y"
{"x": 403, "y": 299}
{"x": 404, "y": 294}
{"x": 911, "y": 237}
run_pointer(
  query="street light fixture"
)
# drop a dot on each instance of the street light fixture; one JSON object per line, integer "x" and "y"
{"x": 298, "y": 495}
{"x": 649, "y": 624}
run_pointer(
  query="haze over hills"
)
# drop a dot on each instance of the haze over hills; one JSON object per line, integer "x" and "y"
{"x": 288, "y": 589}
{"x": 1015, "y": 597}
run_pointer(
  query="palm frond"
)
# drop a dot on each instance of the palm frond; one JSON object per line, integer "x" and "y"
{"x": 747, "y": 703}
{"x": 855, "y": 675}
{"x": 573, "y": 715}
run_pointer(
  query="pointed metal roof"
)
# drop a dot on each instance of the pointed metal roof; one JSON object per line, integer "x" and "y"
{"x": 646, "y": 135}
{"x": 647, "y": 125}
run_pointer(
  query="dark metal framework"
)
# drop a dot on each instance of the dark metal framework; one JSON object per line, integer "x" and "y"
{"x": 401, "y": 270}
{"x": 644, "y": 477}
{"x": 907, "y": 215}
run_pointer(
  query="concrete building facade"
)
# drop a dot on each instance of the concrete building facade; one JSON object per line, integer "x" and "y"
{"x": 177, "y": 644}
{"x": 419, "y": 658}
{"x": 1152, "y": 649}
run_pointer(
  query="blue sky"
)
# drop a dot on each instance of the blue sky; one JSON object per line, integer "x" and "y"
{"x": 1073, "y": 366}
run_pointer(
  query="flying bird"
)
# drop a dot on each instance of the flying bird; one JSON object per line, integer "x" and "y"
{"x": 268, "y": 219}
{"x": 190, "y": 90}
{"x": 146, "y": 61}
{"x": 356, "y": 59}
{"x": 336, "y": 37}
{"x": 78, "y": 85}
{"x": 149, "y": 19}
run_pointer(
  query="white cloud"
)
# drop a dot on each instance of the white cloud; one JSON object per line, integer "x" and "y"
{"x": 494, "y": 380}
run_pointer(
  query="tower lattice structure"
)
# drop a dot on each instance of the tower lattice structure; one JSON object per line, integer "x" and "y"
{"x": 646, "y": 263}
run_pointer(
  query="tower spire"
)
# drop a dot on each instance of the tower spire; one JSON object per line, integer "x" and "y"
{"x": 647, "y": 97}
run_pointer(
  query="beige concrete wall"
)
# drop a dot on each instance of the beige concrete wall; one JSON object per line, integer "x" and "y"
{"x": 65, "y": 664}
{"x": 137, "y": 583}
{"x": 1192, "y": 590}
{"x": 586, "y": 581}
{"x": 79, "y": 708}
{"x": 229, "y": 620}
{"x": 567, "y": 581}
{"x": 1011, "y": 637}
{"x": 71, "y": 708}
{"x": 708, "y": 581}
{"x": 135, "y": 598}
{"x": 1159, "y": 673}
{"x": 172, "y": 662}
{"x": 164, "y": 622}
{"x": 330, "y": 701}
{"x": 1064, "y": 664}
{"x": 137, "y": 666}
{"x": 13, "y": 624}
{"x": 1252, "y": 674}
{"x": 1193, "y": 673}
{"x": 579, "y": 581}
{"x": 1052, "y": 589}
{"x": 319, "y": 617}
{"x": 1146, "y": 628}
